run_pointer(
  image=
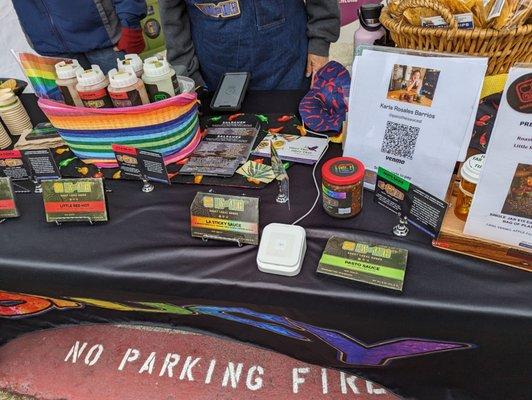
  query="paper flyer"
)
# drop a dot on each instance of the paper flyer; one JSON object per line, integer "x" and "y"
{"x": 502, "y": 205}
{"x": 222, "y": 150}
{"x": 412, "y": 114}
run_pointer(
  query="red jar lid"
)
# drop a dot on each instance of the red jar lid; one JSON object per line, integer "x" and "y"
{"x": 343, "y": 171}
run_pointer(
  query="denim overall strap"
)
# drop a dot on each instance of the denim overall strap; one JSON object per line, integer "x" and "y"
{"x": 264, "y": 37}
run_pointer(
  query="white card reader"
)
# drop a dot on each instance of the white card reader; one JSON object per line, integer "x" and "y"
{"x": 282, "y": 249}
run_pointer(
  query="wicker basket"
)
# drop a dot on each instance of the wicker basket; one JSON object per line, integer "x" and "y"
{"x": 504, "y": 48}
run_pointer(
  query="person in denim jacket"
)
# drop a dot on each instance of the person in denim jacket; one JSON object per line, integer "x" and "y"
{"x": 91, "y": 31}
{"x": 280, "y": 42}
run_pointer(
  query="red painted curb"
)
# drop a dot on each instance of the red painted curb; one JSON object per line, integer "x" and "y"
{"x": 105, "y": 362}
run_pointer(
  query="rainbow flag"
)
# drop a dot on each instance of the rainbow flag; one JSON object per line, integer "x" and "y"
{"x": 40, "y": 72}
{"x": 169, "y": 127}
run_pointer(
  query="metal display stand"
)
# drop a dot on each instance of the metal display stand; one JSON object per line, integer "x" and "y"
{"x": 401, "y": 229}
{"x": 38, "y": 186}
{"x": 147, "y": 187}
{"x": 206, "y": 238}
{"x": 74, "y": 219}
{"x": 21, "y": 189}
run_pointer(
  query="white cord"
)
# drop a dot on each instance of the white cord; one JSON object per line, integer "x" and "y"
{"x": 318, "y": 191}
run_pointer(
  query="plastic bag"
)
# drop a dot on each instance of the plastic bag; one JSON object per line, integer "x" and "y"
{"x": 521, "y": 15}
{"x": 416, "y": 14}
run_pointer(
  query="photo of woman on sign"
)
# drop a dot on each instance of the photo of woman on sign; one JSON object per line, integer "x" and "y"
{"x": 415, "y": 82}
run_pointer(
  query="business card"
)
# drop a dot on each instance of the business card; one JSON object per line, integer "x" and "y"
{"x": 42, "y": 164}
{"x": 128, "y": 162}
{"x": 13, "y": 165}
{"x": 295, "y": 148}
{"x": 398, "y": 195}
{"x": 225, "y": 217}
{"x": 74, "y": 200}
{"x": 375, "y": 264}
{"x": 8, "y": 207}
{"x": 141, "y": 164}
{"x": 25, "y": 164}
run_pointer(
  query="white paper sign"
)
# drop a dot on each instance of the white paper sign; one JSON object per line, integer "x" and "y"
{"x": 502, "y": 205}
{"x": 411, "y": 114}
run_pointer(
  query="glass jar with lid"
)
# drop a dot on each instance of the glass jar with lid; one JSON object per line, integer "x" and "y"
{"x": 470, "y": 175}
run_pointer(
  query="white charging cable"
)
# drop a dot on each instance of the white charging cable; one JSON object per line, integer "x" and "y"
{"x": 318, "y": 191}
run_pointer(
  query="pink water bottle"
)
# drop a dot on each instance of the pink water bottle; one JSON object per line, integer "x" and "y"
{"x": 370, "y": 29}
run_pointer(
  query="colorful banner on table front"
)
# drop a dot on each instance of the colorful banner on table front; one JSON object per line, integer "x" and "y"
{"x": 349, "y": 351}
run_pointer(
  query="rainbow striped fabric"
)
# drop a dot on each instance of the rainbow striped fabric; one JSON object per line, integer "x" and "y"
{"x": 169, "y": 127}
{"x": 40, "y": 71}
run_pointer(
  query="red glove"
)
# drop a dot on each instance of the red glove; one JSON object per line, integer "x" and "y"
{"x": 131, "y": 41}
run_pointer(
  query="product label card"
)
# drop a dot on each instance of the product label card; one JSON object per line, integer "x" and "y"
{"x": 141, "y": 164}
{"x": 42, "y": 164}
{"x": 423, "y": 210}
{"x": 224, "y": 217}
{"x": 74, "y": 200}
{"x": 377, "y": 265}
{"x": 13, "y": 165}
{"x": 502, "y": 204}
{"x": 8, "y": 207}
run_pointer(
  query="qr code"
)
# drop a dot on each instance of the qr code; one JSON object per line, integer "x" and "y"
{"x": 400, "y": 140}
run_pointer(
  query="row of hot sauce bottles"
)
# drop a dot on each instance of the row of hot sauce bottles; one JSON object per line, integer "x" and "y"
{"x": 132, "y": 83}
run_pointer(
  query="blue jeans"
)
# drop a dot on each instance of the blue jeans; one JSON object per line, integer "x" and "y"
{"x": 104, "y": 58}
{"x": 267, "y": 38}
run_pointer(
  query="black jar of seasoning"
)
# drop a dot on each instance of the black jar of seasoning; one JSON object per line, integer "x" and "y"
{"x": 342, "y": 186}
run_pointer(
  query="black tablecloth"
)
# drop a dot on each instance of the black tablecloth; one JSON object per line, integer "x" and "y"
{"x": 146, "y": 254}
